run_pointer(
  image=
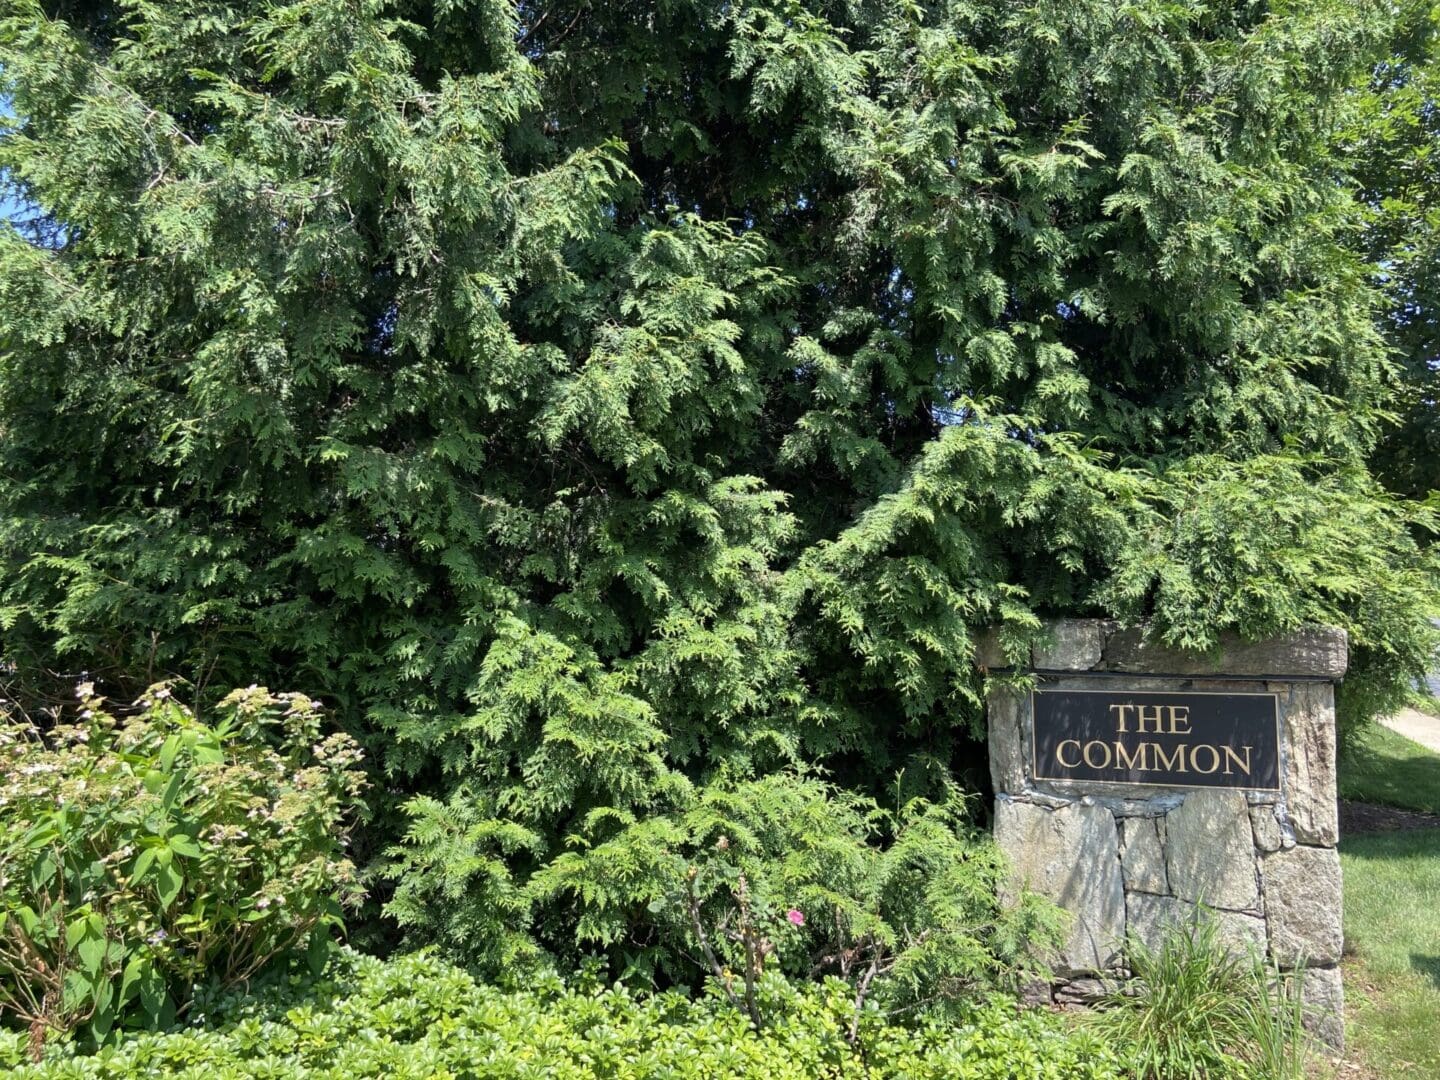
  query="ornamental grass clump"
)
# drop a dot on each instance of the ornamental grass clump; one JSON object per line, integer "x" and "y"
{"x": 1198, "y": 1010}
{"x": 147, "y": 854}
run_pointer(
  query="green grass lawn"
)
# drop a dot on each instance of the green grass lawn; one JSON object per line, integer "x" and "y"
{"x": 1392, "y": 927}
{"x": 1392, "y": 911}
{"x": 1389, "y": 769}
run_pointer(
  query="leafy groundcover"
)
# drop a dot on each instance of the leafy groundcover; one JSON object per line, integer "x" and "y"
{"x": 416, "y": 1016}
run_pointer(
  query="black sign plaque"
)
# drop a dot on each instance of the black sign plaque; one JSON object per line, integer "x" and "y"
{"x": 1158, "y": 739}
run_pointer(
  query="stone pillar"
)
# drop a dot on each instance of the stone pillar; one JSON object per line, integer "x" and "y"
{"x": 1138, "y": 853}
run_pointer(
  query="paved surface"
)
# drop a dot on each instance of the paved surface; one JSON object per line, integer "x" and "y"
{"x": 1417, "y": 726}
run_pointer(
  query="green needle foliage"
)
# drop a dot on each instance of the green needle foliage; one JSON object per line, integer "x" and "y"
{"x": 1393, "y": 140}
{"x": 606, "y": 407}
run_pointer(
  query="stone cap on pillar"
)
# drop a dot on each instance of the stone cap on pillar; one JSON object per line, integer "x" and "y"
{"x": 1103, "y": 645}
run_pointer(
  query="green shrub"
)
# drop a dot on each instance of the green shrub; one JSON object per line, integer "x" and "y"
{"x": 416, "y": 1017}
{"x": 589, "y": 404}
{"x": 1198, "y": 1010}
{"x": 782, "y": 871}
{"x": 141, "y": 856}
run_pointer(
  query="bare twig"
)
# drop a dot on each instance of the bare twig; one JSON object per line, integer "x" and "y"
{"x": 747, "y": 938}
{"x": 863, "y": 989}
{"x": 698, "y": 925}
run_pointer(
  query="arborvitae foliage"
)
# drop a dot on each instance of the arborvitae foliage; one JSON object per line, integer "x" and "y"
{"x": 608, "y": 406}
{"x": 1393, "y": 143}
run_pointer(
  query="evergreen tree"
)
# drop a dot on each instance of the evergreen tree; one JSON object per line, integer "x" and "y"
{"x": 1393, "y": 144}
{"x": 603, "y": 406}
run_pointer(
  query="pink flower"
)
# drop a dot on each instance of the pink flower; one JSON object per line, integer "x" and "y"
{"x": 796, "y": 917}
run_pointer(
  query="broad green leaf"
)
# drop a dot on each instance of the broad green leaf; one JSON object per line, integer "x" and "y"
{"x": 77, "y": 990}
{"x": 168, "y": 750}
{"x": 76, "y": 930}
{"x": 43, "y": 871}
{"x": 172, "y": 791}
{"x": 318, "y": 951}
{"x": 184, "y": 845}
{"x": 92, "y": 954}
{"x": 105, "y": 1005}
{"x": 153, "y": 999}
{"x": 28, "y": 919}
{"x": 137, "y": 969}
{"x": 168, "y": 881}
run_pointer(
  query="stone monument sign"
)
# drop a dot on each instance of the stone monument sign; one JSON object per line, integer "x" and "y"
{"x": 1134, "y": 782}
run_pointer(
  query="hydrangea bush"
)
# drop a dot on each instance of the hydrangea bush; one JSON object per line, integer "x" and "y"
{"x": 145, "y": 854}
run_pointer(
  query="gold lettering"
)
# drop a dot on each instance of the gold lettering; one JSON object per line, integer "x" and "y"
{"x": 1120, "y": 717}
{"x": 1090, "y": 746}
{"x": 1125, "y": 760}
{"x": 1067, "y": 764}
{"x": 1230, "y": 756}
{"x": 1214, "y": 758}
{"x": 1174, "y": 763}
{"x": 1150, "y": 713}
{"x": 1180, "y": 714}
